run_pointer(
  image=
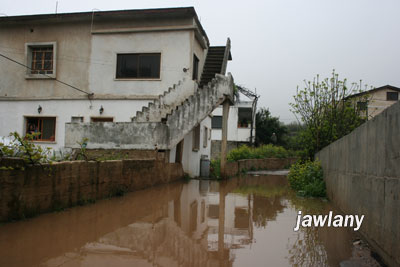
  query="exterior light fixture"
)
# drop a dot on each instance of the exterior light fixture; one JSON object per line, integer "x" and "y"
{"x": 39, "y": 110}
{"x": 101, "y": 110}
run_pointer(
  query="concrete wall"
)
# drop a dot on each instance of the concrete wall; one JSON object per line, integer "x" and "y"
{"x": 51, "y": 187}
{"x": 362, "y": 174}
{"x": 235, "y": 168}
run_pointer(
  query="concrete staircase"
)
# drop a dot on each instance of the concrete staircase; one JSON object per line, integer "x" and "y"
{"x": 216, "y": 62}
{"x": 160, "y": 125}
{"x": 159, "y": 108}
{"x": 197, "y": 107}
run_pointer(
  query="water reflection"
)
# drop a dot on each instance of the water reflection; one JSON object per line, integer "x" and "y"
{"x": 239, "y": 222}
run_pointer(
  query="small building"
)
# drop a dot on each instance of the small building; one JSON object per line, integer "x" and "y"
{"x": 241, "y": 127}
{"x": 374, "y": 101}
{"x": 126, "y": 80}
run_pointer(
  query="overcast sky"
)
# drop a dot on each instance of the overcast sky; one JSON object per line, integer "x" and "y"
{"x": 277, "y": 44}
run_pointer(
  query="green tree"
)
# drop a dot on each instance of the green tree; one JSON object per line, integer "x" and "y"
{"x": 326, "y": 112}
{"x": 269, "y": 130}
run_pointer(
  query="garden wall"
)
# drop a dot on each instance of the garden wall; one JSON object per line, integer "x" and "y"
{"x": 235, "y": 168}
{"x": 362, "y": 175}
{"x": 37, "y": 189}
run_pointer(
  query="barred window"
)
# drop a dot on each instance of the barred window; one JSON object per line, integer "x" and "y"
{"x": 42, "y": 60}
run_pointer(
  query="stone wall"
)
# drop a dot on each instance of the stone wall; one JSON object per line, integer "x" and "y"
{"x": 234, "y": 168}
{"x": 362, "y": 174}
{"x": 24, "y": 193}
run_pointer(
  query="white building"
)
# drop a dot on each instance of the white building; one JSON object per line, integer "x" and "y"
{"x": 241, "y": 127}
{"x": 111, "y": 71}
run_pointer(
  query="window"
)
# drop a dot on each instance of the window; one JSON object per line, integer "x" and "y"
{"x": 101, "y": 119}
{"x": 205, "y": 138}
{"x": 241, "y": 218}
{"x": 362, "y": 105}
{"x": 216, "y": 122}
{"x": 244, "y": 117}
{"x": 392, "y": 96}
{"x": 41, "y": 60}
{"x": 45, "y": 126}
{"x": 195, "y": 68}
{"x": 138, "y": 66}
{"x": 196, "y": 138}
{"x": 76, "y": 119}
{"x": 213, "y": 211}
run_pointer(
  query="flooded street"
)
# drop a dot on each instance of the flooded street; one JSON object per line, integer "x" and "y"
{"x": 240, "y": 222}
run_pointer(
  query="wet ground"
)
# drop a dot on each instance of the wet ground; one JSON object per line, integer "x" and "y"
{"x": 244, "y": 221}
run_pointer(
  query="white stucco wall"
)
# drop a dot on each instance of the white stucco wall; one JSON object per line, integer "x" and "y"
{"x": 190, "y": 158}
{"x": 175, "y": 49}
{"x": 234, "y": 132}
{"x": 13, "y": 114}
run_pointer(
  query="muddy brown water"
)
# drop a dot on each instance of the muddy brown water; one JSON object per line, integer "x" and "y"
{"x": 244, "y": 221}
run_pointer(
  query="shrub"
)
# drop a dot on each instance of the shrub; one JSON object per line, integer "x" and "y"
{"x": 262, "y": 152}
{"x": 307, "y": 179}
{"x": 215, "y": 170}
{"x": 24, "y": 148}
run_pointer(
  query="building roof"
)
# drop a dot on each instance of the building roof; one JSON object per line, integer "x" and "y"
{"x": 375, "y": 90}
{"x": 164, "y": 13}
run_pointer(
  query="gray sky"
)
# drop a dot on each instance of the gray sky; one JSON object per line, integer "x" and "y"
{"x": 277, "y": 44}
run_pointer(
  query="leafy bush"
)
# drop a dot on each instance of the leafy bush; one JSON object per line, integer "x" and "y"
{"x": 327, "y": 111}
{"x": 262, "y": 152}
{"x": 307, "y": 179}
{"x": 24, "y": 148}
{"x": 215, "y": 170}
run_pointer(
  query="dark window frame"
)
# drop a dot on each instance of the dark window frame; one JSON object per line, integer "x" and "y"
{"x": 196, "y": 62}
{"x": 38, "y": 127}
{"x": 196, "y": 138}
{"x": 215, "y": 122}
{"x": 138, "y": 76}
{"x": 392, "y": 96}
{"x": 244, "y": 121}
{"x": 205, "y": 137}
{"x": 101, "y": 119}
